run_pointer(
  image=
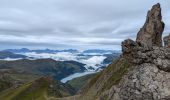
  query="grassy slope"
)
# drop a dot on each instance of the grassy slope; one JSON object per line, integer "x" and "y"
{"x": 25, "y": 93}
{"x": 13, "y": 79}
{"x": 40, "y": 89}
{"x": 105, "y": 79}
{"x": 79, "y": 82}
{"x": 58, "y": 69}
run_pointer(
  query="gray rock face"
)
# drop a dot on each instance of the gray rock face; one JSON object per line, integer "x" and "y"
{"x": 167, "y": 41}
{"x": 149, "y": 77}
{"x": 128, "y": 45}
{"x": 147, "y": 83}
{"x": 151, "y": 33}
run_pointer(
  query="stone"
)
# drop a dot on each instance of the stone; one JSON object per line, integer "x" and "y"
{"x": 166, "y": 40}
{"x": 128, "y": 45}
{"x": 149, "y": 76}
{"x": 151, "y": 33}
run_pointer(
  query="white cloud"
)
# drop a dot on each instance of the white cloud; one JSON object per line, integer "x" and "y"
{"x": 73, "y": 23}
{"x": 61, "y": 56}
{"x": 93, "y": 61}
{"x": 90, "y": 61}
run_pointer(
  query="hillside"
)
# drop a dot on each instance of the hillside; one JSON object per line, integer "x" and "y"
{"x": 7, "y": 54}
{"x": 141, "y": 73}
{"x": 57, "y": 69}
{"x": 110, "y": 58}
{"x": 79, "y": 82}
{"x": 40, "y": 89}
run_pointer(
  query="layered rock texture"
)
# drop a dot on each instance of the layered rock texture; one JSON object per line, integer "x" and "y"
{"x": 143, "y": 70}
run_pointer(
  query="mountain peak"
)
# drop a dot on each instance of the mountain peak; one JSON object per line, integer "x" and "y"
{"x": 143, "y": 70}
{"x": 151, "y": 32}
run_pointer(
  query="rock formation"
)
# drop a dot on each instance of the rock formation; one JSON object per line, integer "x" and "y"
{"x": 149, "y": 77}
{"x": 127, "y": 46}
{"x": 167, "y": 41}
{"x": 151, "y": 33}
{"x": 143, "y": 70}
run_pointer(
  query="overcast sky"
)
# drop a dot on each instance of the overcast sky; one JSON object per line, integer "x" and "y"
{"x": 82, "y": 24}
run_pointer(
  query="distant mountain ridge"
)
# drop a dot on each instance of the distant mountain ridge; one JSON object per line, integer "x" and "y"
{"x": 101, "y": 51}
{"x": 57, "y": 69}
{"x": 24, "y": 50}
{"x": 7, "y": 54}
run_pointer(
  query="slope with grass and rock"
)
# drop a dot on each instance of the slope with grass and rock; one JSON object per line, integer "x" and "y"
{"x": 143, "y": 70}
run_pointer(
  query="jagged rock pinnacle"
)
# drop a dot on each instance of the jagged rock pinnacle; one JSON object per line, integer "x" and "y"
{"x": 151, "y": 33}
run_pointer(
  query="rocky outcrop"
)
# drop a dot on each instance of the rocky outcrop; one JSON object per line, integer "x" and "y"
{"x": 143, "y": 70}
{"x": 151, "y": 33}
{"x": 128, "y": 45}
{"x": 167, "y": 41}
{"x": 144, "y": 82}
{"x": 149, "y": 76}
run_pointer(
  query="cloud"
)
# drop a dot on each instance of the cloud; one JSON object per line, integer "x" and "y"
{"x": 61, "y": 56}
{"x": 78, "y": 24}
{"x": 93, "y": 61}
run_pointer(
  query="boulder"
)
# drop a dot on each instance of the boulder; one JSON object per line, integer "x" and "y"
{"x": 128, "y": 46}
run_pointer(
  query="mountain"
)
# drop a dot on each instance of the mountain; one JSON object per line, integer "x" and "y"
{"x": 142, "y": 72}
{"x": 110, "y": 58}
{"x": 12, "y": 78}
{"x": 57, "y": 69}
{"x": 79, "y": 82}
{"x": 22, "y": 86}
{"x": 7, "y": 54}
{"x": 98, "y": 51}
{"x": 25, "y": 50}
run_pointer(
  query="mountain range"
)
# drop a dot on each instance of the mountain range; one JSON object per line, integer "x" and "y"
{"x": 26, "y": 86}
{"x": 141, "y": 72}
{"x": 24, "y": 50}
{"x": 57, "y": 69}
{"x": 7, "y": 54}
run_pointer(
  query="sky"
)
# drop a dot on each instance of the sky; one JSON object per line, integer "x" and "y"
{"x": 76, "y": 24}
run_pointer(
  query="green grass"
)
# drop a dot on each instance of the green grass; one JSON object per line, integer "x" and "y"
{"x": 44, "y": 88}
{"x": 34, "y": 92}
{"x": 13, "y": 92}
{"x": 30, "y": 91}
{"x": 117, "y": 75}
{"x": 104, "y": 80}
{"x": 4, "y": 84}
{"x": 79, "y": 82}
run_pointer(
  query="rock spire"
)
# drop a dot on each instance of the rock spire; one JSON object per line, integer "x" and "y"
{"x": 151, "y": 33}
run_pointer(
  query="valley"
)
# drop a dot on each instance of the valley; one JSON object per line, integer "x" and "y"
{"x": 72, "y": 70}
{"x": 84, "y": 50}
